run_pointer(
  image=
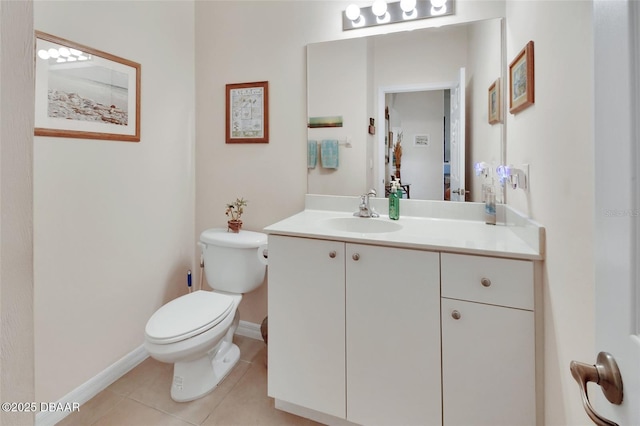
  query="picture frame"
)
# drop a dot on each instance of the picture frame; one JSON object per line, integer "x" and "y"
{"x": 494, "y": 103}
{"x": 330, "y": 121}
{"x": 247, "y": 112}
{"x": 522, "y": 80}
{"x": 421, "y": 140}
{"x": 82, "y": 92}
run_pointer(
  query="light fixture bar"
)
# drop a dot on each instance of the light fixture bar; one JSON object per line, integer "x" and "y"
{"x": 424, "y": 9}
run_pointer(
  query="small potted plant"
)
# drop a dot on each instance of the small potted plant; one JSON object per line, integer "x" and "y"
{"x": 234, "y": 211}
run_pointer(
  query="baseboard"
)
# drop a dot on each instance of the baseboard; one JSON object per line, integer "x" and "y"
{"x": 93, "y": 386}
{"x": 249, "y": 329}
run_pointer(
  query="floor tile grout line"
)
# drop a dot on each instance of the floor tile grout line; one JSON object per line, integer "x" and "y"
{"x": 110, "y": 409}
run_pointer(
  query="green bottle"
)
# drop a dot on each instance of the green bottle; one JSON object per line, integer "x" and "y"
{"x": 394, "y": 201}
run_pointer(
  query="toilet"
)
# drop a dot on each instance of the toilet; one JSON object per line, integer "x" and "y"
{"x": 195, "y": 331}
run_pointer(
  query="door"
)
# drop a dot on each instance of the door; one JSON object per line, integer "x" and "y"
{"x": 475, "y": 388}
{"x": 306, "y": 323}
{"x": 392, "y": 379}
{"x": 616, "y": 211}
{"x": 458, "y": 139}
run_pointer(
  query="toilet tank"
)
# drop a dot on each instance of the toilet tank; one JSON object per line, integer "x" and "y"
{"x": 233, "y": 262}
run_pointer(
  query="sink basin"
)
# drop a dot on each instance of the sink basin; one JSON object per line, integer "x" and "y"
{"x": 362, "y": 225}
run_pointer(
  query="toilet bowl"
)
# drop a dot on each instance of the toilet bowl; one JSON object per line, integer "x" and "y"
{"x": 195, "y": 331}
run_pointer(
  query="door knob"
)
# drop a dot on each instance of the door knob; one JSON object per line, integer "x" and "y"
{"x": 332, "y": 254}
{"x": 606, "y": 374}
{"x": 460, "y": 191}
{"x": 355, "y": 257}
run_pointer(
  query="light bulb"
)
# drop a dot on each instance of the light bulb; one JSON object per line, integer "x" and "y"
{"x": 407, "y": 5}
{"x": 43, "y": 54}
{"x": 379, "y": 8}
{"x": 352, "y": 12}
{"x": 54, "y": 53}
{"x": 438, "y": 3}
{"x": 64, "y": 51}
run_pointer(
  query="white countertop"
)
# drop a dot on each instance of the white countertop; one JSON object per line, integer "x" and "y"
{"x": 421, "y": 232}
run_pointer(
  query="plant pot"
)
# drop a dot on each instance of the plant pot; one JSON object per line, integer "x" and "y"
{"x": 234, "y": 225}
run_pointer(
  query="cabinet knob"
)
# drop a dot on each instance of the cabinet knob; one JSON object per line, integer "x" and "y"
{"x": 456, "y": 315}
{"x": 332, "y": 254}
{"x": 355, "y": 256}
{"x": 485, "y": 282}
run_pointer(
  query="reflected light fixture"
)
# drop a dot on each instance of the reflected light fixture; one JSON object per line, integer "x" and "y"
{"x": 63, "y": 54}
{"x": 381, "y": 12}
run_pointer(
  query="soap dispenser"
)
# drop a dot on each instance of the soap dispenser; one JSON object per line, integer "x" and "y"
{"x": 489, "y": 204}
{"x": 394, "y": 201}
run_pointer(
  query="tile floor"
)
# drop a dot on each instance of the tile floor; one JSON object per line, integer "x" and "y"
{"x": 141, "y": 398}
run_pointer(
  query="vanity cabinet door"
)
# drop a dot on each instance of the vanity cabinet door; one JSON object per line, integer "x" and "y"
{"x": 488, "y": 365}
{"x": 306, "y": 298}
{"x": 393, "y": 336}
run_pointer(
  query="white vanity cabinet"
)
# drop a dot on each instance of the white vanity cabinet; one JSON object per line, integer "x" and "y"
{"x": 354, "y": 330}
{"x": 488, "y": 341}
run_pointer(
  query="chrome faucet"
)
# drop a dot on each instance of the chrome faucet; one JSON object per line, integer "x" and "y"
{"x": 365, "y": 210}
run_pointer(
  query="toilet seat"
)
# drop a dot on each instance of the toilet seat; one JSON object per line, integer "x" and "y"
{"x": 188, "y": 316}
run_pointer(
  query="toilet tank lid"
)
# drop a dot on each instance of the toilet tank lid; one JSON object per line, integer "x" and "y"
{"x": 243, "y": 239}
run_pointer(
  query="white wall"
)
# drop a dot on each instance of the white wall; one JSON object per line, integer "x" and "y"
{"x": 555, "y": 136}
{"x": 16, "y": 220}
{"x": 114, "y": 220}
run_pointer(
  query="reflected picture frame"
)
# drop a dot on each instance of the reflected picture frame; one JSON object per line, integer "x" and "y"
{"x": 247, "y": 112}
{"x": 494, "y": 103}
{"x": 82, "y": 92}
{"x": 522, "y": 80}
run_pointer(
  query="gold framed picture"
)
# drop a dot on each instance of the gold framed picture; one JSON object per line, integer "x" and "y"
{"x": 495, "y": 103}
{"x": 522, "y": 80}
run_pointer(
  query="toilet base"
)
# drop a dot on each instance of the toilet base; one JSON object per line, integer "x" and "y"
{"x": 194, "y": 379}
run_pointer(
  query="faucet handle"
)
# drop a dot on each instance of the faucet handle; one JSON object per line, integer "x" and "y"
{"x": 371, "y": 192}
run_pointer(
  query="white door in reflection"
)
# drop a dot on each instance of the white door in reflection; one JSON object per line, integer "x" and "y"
{"x": 457, "y": 182}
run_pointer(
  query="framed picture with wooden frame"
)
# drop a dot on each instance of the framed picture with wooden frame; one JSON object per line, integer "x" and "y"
{"x": 81, "y": 92}
{"x": 522, "y": 80}
{"x": 247, "y": 112}
{"x": 495, "y": 103}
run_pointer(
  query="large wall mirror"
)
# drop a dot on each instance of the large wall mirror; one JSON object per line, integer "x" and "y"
{"x": 404, "y": 88}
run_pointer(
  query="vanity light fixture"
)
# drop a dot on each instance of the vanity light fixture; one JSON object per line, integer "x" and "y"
{"x": 381, "y": 12}
{"x": 408, "y": 9}
{"x": 354, "y": 16}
